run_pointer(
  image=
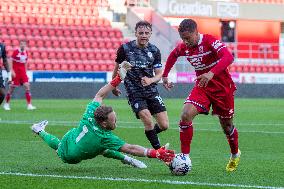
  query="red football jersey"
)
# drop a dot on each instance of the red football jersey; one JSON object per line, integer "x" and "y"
{"x": 20, "y": 58}
{"x": 209, "y": 55}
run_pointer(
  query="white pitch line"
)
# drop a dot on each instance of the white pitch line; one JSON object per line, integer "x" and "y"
{"x": 74, "y": 124}
{"x": 141, "y": 180}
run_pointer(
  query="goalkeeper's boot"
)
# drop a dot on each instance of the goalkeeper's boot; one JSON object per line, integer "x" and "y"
{"x": 134, "y": 162}
{"x": 233, "y": 162}
{"x": 38, "y": 127}
{"x": 6, "y": 106}
{"x": 31, "y": 107}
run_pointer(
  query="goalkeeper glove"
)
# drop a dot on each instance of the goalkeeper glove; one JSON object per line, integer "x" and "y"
{"x": 161, "y": 154}
{"x": 123, "y": 68}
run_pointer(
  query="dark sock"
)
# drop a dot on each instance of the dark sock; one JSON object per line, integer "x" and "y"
{"x": 157, "y": 128}
{"x": 153, "y": 138}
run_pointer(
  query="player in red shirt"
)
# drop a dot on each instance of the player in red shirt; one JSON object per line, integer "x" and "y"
{"x": 19, "y": 64}
{"x": 214, "y": 86}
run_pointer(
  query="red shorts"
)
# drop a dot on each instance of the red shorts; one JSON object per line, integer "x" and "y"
{"x": 21, "y": 77}
{"x": 221, "y": 100}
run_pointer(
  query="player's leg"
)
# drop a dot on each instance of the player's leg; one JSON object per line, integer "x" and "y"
{"x": 223, "y": 106}
{"x": 150, "y": 132}
{"x": 2, "y": 89}
{"x": 2, "y": 95}
{"x": 28, "y": 96}
{"x": 196, "y": 103}
{"x": 157, "y": 108}
{"x": 186, "y": 128}
{"x": 51, "y": 140}
{"x": 162, "y": 122}
{"x": 233, "y": 139}
{"x": 140, "y": 108}
{"x": 11, "y": 89}
{"x": 124, "y": 158}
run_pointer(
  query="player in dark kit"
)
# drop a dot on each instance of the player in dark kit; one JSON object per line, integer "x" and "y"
{"x": 3, "y": 55}
{"x": 141, "y": 82}
{"x": 214, "y": 85}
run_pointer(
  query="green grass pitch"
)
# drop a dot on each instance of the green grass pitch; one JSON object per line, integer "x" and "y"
{"x": 27, "y": 162}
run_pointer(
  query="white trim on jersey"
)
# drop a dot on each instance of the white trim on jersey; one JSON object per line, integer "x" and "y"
{"x": 200, "y": 38}
{"x": 203, "y": 68}
{"x": 198, "y": 55}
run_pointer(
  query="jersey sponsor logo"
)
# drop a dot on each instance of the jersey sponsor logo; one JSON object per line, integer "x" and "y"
{"x": 216, "y": 44}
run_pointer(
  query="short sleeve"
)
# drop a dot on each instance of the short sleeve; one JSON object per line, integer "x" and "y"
{"x": 120, "y": 55}
{"x": 157, "y": 61}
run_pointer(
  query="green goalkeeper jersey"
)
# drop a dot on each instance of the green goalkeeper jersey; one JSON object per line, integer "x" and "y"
{"x": 87, "y": 140}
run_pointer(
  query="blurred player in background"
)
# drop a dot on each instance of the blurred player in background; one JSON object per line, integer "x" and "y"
{"x": 93, "y": 136}
{"x": 19, "y": 69}
{"x": 3, "y": 55}
{"x": 214, "y": 85}
{"x": 141, "y": 82}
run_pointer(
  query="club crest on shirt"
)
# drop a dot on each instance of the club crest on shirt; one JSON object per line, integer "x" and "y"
{"x": 150, "y": 55}
{"x": 186, "y": 53}
{"x": 136, "y": 105}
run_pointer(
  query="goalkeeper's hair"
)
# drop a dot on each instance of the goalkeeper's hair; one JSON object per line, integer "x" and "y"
{"x": 188, "y": 25}
{"x": 143, "y": 23}
{"x": 101, "y": 113}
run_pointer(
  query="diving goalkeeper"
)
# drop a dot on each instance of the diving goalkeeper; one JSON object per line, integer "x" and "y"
{"x": 93, "y": 136}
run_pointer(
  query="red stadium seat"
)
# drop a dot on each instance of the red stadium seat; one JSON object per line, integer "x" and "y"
{"x": 71, "y": 44}
{"x": 80, "y": 67}
{"x": 72, "y": 67}
{"x": 31, "y": 66}
{"x": 55, "y": 43}
{"x": 52, "y": 55}
{"x": 48, "y": 66}
{"x": 87, "y": 44}
{"x": 79, "y": 44}
{"x": 64, "y": 66}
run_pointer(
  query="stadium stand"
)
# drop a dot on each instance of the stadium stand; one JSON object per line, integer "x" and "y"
{"x": 61, "y": 34}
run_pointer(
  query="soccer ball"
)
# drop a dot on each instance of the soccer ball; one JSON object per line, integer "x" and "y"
{"x": 180, "y": 165}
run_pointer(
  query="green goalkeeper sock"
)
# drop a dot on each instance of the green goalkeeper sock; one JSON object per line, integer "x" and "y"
{"x": 51, "y": 140}
{"x": 113, "y": 154}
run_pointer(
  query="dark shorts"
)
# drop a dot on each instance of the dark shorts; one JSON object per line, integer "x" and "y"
{"x": 153, "y": 102}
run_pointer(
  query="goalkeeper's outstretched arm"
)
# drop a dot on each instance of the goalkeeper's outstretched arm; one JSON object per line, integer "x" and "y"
{"x": 136, "y": 150}
{"x": 103, "y": 92}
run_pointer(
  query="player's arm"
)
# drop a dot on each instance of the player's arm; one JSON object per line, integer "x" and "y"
{"x": 157, "y": 69}
{"x": 105, "y": 90}
{"x": 171, "y": 60}
{"x": 224, "y": 55}
{"x": 7, "y": 64}
{"x": 136, "y": 150}
{"x": 120, "y": 57}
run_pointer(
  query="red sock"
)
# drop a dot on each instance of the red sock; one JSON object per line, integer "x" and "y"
{"x": 28, "y": 97}
{"x": 8, "y": 97}
{"x": 233, "y": 140}
{"x": 185, "y": 135}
